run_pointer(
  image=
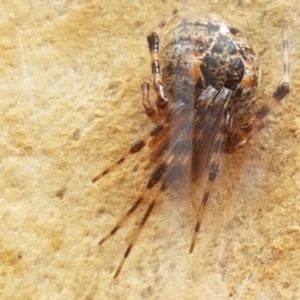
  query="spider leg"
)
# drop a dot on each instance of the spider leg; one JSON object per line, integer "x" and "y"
{"x": 239, "y": 137}
{"x": 180, "y": 5}
{"x": 161, "y": 100}
{"x": 135, "y": 236}
{"x": 135, "y": 148}
{"x": 224, "y": 123}
{"x": 150, "y": 111}
{"x": 153, "y": 43}
{"x": 154, "y": 178}
{"x": 174, "y": 112}
{"x": 164, "y": 170}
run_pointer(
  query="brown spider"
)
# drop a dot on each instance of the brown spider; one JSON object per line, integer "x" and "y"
{"x": 206, "y": 87}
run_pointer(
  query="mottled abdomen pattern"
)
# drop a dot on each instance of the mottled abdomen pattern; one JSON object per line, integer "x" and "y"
{"x": 204, "y": 51}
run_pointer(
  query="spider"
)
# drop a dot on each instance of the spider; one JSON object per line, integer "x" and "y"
{"x": 205, "y": 79}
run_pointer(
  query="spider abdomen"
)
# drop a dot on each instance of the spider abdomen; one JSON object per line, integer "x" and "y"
{"x": 206, "y": 51}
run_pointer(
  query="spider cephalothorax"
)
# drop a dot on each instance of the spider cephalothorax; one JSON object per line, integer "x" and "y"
{"x": 204, "y": 79}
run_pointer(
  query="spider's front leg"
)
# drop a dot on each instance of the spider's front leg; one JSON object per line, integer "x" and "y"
{"x": 237, "y": 139}
{"x": 150, "y": 111}
{"x": 161, "y": 99}
{"x": 162, "y": 103}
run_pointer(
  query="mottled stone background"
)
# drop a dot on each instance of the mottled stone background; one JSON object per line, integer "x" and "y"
{"x": 70, "y": 103}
